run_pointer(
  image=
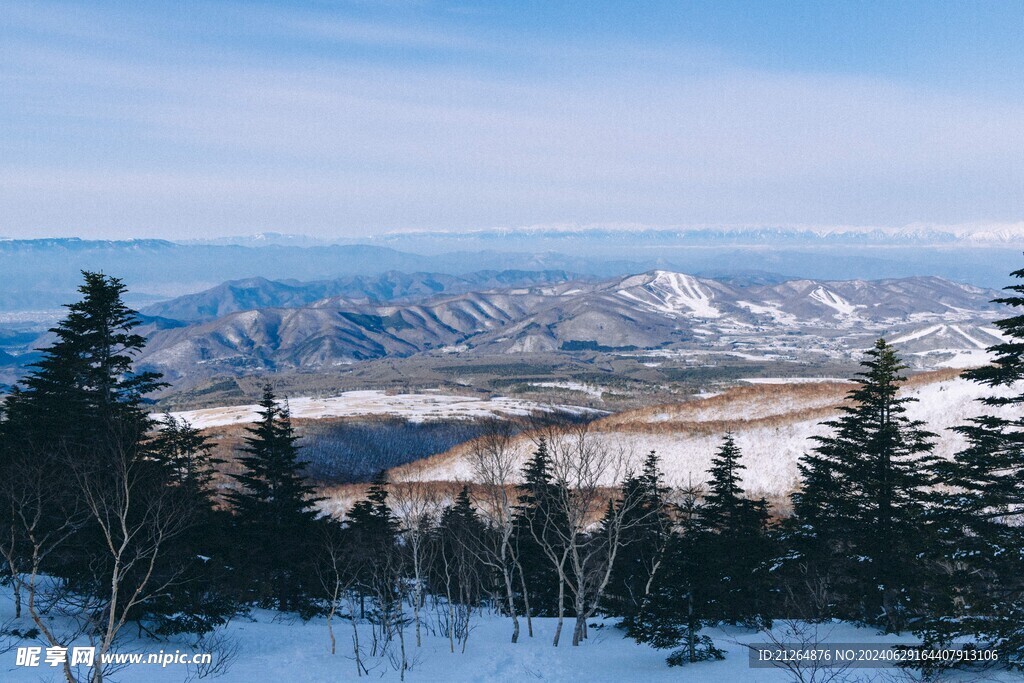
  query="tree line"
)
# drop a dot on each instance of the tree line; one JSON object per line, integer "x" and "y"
{"x": 111, "y": 520}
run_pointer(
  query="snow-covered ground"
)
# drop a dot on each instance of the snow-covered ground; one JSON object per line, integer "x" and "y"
{"x": 955, "y": 358}
{"x": 774, "y": 428}
{"x": 773, "y": 312}
{"x": 589, "y": 389}
{"x": 413, "y": 407}
{"x": 792, "y": 380}
{"x": 274, "y": 647}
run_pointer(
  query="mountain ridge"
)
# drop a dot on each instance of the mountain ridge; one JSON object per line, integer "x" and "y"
{"x": 43, "y": 274}
{"x": 259, "y": 292}
{"x": 654, "y": 313}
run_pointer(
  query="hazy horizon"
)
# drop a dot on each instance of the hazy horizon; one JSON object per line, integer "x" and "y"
{"x": 981, "y": 234}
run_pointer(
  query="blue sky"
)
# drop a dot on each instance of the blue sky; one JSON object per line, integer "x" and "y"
{"x": 186, "y": 119}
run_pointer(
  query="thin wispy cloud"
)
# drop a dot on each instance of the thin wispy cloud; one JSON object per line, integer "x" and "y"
{"x": 366, "y": 33}
{"x": 351, "y": 125}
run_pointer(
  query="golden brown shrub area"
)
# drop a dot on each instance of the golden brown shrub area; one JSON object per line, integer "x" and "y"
{"x": 736, "y": 408}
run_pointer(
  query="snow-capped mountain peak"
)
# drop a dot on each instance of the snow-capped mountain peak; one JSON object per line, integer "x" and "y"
{"x": 672, "y": 294}
{"x": 834, "y": 301}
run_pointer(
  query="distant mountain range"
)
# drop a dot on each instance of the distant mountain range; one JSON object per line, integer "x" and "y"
{"x": 41, "y": 275}
{"x": 1012, "y": 234}
{"x": 392, "y": 286}
{"x": 44, "y": 274}
{"x": 654, "y": 314}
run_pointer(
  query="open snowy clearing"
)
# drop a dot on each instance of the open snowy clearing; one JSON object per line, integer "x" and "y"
{"x": 589, "y": 389}
{"x": 793, "y": 380}
{"x": 955, "y": 358}
{"x": 773, "y": 427}
{"x": 273, "y": 647}
{"x": 413, "y": 407}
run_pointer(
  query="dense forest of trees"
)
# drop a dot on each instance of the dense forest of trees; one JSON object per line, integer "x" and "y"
{"x": 110, "y": 518}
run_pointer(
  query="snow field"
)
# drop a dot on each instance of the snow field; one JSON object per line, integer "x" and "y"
{"x": 413, "y": 407}
{"x": 589, "y": 389}
{"x": 277, "y": 647}
{"x": 773, "y": 431}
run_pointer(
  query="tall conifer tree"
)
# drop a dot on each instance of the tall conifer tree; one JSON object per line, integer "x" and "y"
{"x": 647, "y": 530}
{"x": 536, "y": 517}
{"x": 978, "y": 592}
{"x": 274, "y": 510}
{"x": 736, "y": 548}
{"x": 680, "y": 601}
{"x": 861, "y": 509}
{"x": 204, "y": 597}
{"x": 108, "y": 516}
{"x": 83, "y": 399}
{"x": 459, "y": 575}
{"x": 81, "y": 409}
{"x": 371, "y": 533}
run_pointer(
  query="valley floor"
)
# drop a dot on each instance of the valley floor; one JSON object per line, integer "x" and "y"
{"x": 272, "y": 647}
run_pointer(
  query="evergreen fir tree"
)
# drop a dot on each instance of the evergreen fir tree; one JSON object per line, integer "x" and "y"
{"x": 274, "y": 512}
{"x": 811, "y": 536}
{"x": 647, "y": 530}
{"x": 371, "y": 524}
{"x": 680, "y": 601}
{"x": 978, "y": 590}
{"x": 459, "y": 529}
{"x": 203, "y": 598}
{"x": 861, "y": 509}
{"x": 81, "y": 407}
{"x": 534, "y": 514}
{"x": 188, "y": 456}
{"x": 716, "y": 565}
{"x": 82, "y": 401}
{"x": 77, "y": 426}
{"x": 371, "y": 533}
{"x": 725, "y": 509}
{"x": 736, "y": 548}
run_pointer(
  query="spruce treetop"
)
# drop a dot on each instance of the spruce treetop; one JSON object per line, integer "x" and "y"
{"x": 96, "y": 337}
{"x": 1007, "y": 368}
{"x": 273, "y": 472}
{"x": 85, "y": 385}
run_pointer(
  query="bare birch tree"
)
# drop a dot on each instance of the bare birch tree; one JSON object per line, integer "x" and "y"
{"x": 335, "y": 570}
{"x": 137, "y": 519}
{"x": 415, "y": 505}
{"x": 494, "y": 459}
{"x": 39, "y": 522}
{"x": 585, "y": 470}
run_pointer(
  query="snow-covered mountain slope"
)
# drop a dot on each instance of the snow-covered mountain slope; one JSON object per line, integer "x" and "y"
{"x": 951, "y": 336}
{"x": 256, "y": 293}
{"x": 672, "y": 294}
{"x": 773, "y": 425}
{"x": 657, "y": 312}
{"x": 833, "y": 300}
{"x": 329, "y": 333}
